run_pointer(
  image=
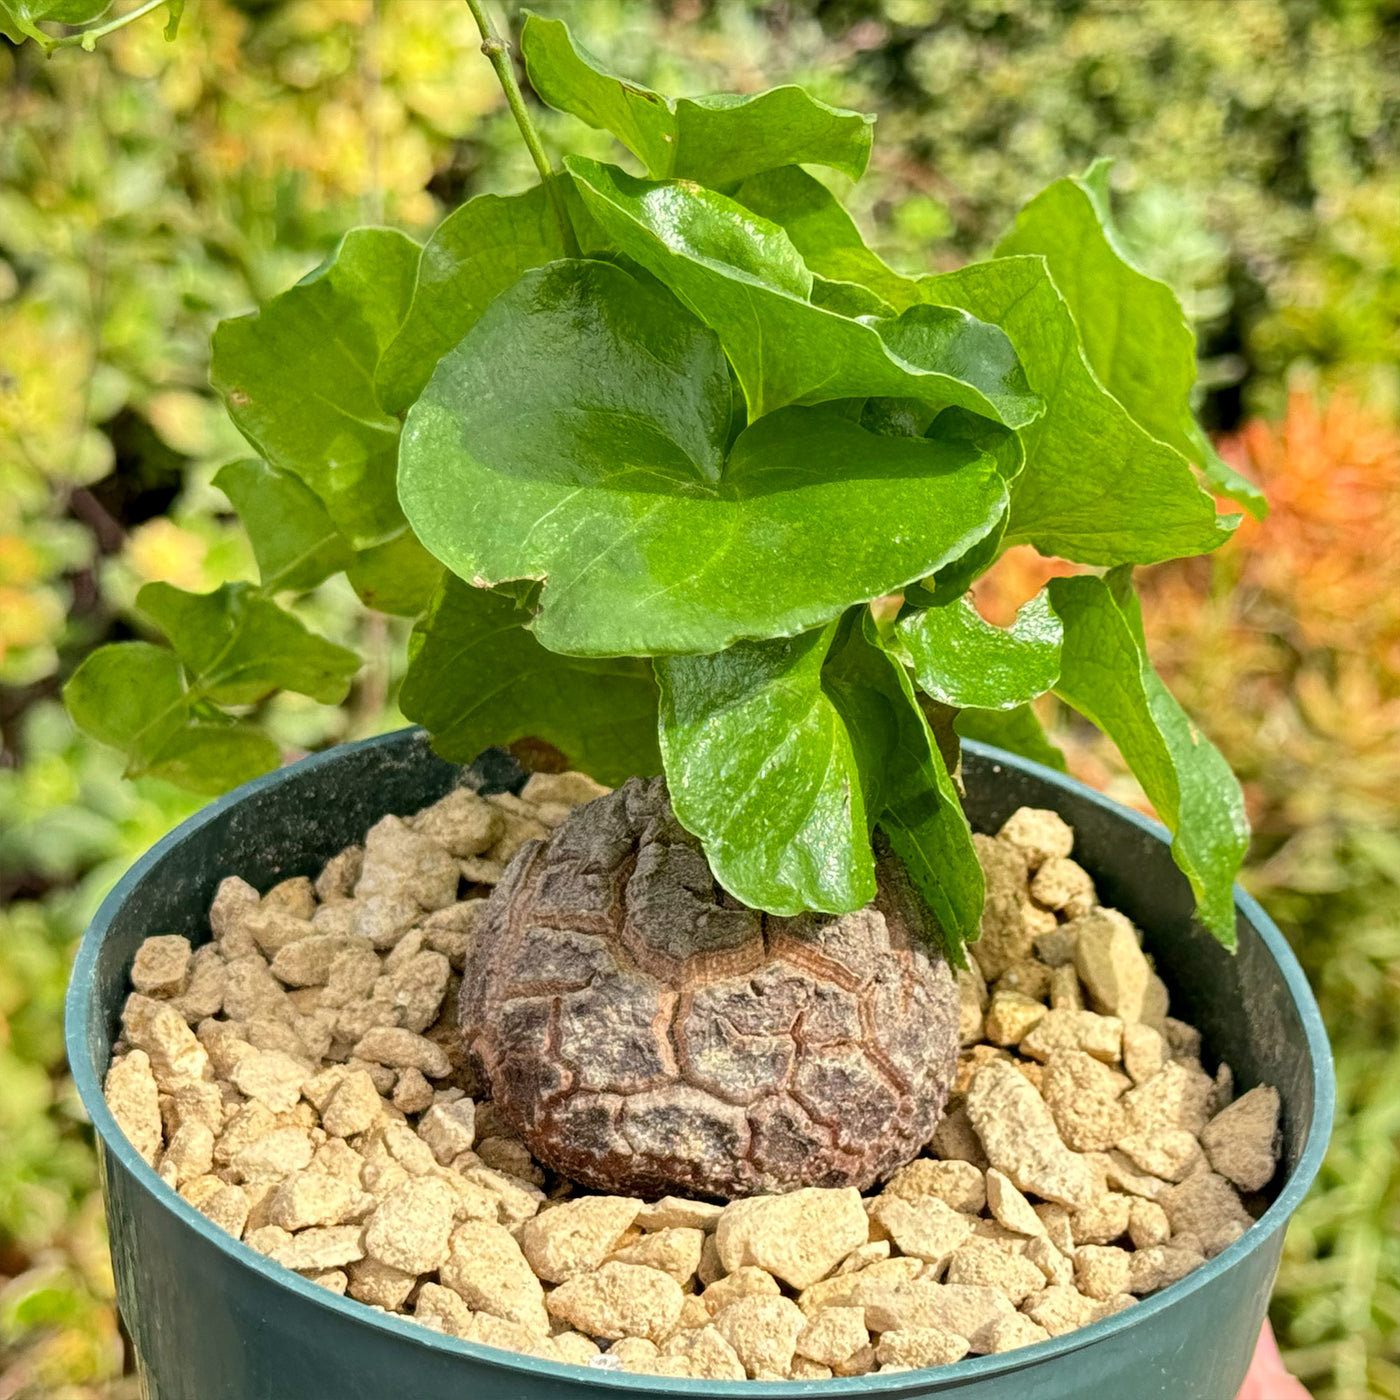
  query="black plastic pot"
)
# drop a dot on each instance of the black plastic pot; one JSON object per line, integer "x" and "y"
{"x": 213, "y": 1320}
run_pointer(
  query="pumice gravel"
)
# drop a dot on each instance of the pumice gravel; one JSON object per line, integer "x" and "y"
{"x": 301, "y": 1080}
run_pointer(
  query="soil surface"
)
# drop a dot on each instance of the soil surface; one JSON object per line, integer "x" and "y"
{"x": 300, "y": 1079}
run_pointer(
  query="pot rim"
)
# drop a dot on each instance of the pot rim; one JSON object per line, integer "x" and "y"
{"x": 89, "y": 1084}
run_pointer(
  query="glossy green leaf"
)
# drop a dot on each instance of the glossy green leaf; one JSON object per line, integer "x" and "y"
{"x": 763, "y": 766}
{"x": 823, "y": 233}
{"x": 298, "y": 379}
{"x": 397, "y": 577}
{"x": 1096, "y": 488}
{"x": 212, "y": 758}
{"x": 576, "y": 436}
{"x": 1106, "y": 676}
{"x": 961, "y": 659}
{"x": 1135, "y": 335}
{"x": 1017, "y": 731}
{"x": 782, "y": 755}
{"x": 714, "y": 140}
{"x": 130, "y": 695}
{"x": 478, "y": 677}
{"x": 920, "y": 812}
{"x": 238, "y": 647}
{"x": 294, "y": 541}
{"x": 472, "y": 256}
{"x": 743, "y": 278}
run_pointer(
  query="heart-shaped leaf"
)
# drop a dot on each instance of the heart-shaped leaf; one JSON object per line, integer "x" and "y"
{"x": 298, "y": 379}
{"x": 237, "y": 647}
{"x": 743, "y": 278}
{"x": 576, "y": 436}
{"x": 714, "y": 140}
{"x": 477, "y": 677}
{"x": 1106, "y": 676}
{"x": 472, "y": 256}
{"x": 961, "y": 659}
{"x": 1134, "y": 332}
{"x": 1096, "y": 487}
{"x": 294, "y": 541}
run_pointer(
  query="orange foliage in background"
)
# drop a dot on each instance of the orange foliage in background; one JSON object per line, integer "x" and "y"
{"x": 1331, "y": 544}
{"x": 1285, "y": 645}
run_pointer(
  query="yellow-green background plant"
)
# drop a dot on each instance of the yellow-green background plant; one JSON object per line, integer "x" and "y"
{"x": 149, "y": 189}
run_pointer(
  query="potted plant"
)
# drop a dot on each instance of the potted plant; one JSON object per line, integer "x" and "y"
{"x": 677, "y": 476}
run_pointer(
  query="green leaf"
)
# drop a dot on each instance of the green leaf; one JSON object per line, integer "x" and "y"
{"x": 782, "y": 755}
{"x": 212, "y": 758}
{"x": 764, "y": 767}
{"x": 397, "y": 577}
{"x": 713, "y": 140}
{"x": 1135, "y": 335}
{"x": 129, "y": 695}
{"x": 576, "y": 436}
{"x": 1096, "y": 487}
{"x": 1017, "y": 731}
{"x": 132, "y": 695}
{"x": 961, "y": 659}
{"x": 477, "y": 677}
{"x": 1106, "y": 676}
{"x": 743, "y": 278}
{"x": 823, "y": 233}
{"x": 920, "y": 811}
{"x": 176, "y": 10}
{"x": 298, "y": 379}
{"x": 238, "y": 647}
{"x": 471, "y": 257}
{"x": 60, "y": 11}
{"x": 294, "y": 541}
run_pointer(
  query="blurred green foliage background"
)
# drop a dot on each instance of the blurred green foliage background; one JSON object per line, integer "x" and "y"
{"x": 148, "y": 189}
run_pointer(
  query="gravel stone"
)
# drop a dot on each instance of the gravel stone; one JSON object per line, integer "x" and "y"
{"x": 576, "y": 1237}
{"x": 1148, "y": 1225}
{"x": 986, "y": 1264}
{"x": 676, "y": 1212}
{"x": 354, "y": 1106}
{"x": 1010, "y": 1207}
{"x": 1208, "y": 1207}
{"x": 318, "y": 1198}
{"x": 962, "y": 1309}
{"x": 799, "y": 1237}
{"x": 620, "y": 1300}
{"x": 1111, "y": 964}
{"x": 675, "y": 1252}
{"x": 927, "y": 1229}
{"x": 1083, "y": 1095}
{"x": 131, "y": 1094}
{"x": 486, "y": 1269}
{"x": 1017, "y": 1330}
{"x": 1099, "y": 1036}
{"x": 1041, "y": 834}
{"x": 161, "y": 967}
{"x": 833, "y": 1335}
{"x": 1011, "y": 1017}
{"x": 1019, "y": 1136}
{"x": 957, "y": 1183}
{"x": 1242, "y": 1141}
{"x": 409, "y": 1228}
{"x": 403, "y": 1049}
{"x": 763, "y": 1332}
{"x": 380, "y": 1285}
{"x": 1102, "y": 1271}
{"x": 702, "y": 1355}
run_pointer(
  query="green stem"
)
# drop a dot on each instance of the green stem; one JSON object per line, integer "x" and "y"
{"x": 87, "y": 38}
{"x": 498, "y": 51}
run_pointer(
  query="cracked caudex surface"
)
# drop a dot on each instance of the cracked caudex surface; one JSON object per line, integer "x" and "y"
{"x": 645, "y": 1032}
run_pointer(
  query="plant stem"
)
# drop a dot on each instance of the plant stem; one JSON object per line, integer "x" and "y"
{"x": 498, "y": 51}
{"x": 87, "y": 38}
